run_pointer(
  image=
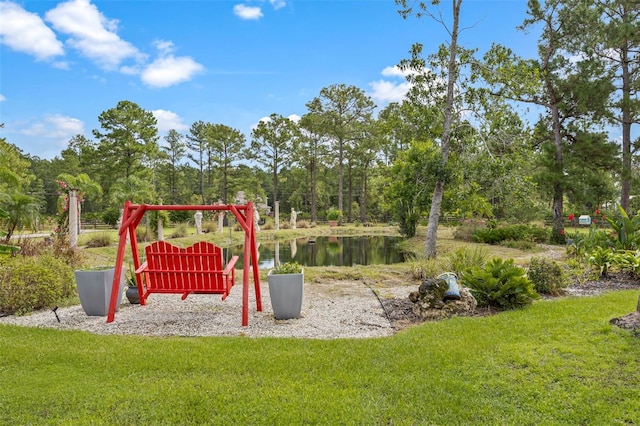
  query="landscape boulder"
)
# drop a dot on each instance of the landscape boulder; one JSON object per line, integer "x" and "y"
{"x": 430, "y": 301}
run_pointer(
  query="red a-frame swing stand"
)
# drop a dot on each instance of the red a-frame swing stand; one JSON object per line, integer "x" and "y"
{"x": 132, "y": 216}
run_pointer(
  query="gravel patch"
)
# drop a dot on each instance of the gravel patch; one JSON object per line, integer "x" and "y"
{"x": 335, "y": 310}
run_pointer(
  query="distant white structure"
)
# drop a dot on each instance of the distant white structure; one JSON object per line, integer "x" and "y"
{"x": 198, "y": 219}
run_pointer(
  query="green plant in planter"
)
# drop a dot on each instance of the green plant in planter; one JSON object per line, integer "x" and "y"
{"x": 287, "y": 268}
{"x": 131, "y": 277}
{"x": 334, "y": 214}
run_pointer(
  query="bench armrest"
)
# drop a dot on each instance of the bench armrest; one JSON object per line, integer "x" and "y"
{"x": 142, "y": 267}
{"x": 230, "y": 265}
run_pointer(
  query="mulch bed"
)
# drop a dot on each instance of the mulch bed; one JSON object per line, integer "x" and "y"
{"x": 401, "y": 315}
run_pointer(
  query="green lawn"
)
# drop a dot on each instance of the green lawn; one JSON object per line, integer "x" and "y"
{"x": 556, "y": 362}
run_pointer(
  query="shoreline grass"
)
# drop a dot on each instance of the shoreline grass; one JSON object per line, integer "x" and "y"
{"x": 556, "y": 362}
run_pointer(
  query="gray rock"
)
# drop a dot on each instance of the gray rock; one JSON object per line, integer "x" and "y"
{"x": 428, "y": 301}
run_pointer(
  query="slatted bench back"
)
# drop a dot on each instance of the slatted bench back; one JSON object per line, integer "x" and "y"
{"x": 196, "y": 269}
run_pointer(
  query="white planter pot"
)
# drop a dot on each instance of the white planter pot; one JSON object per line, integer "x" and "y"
{"x": 94, "y": 290}
{"x": 286, "y": 292}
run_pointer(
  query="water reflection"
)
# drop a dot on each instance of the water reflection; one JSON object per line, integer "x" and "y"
{"x": 328, "y": 251}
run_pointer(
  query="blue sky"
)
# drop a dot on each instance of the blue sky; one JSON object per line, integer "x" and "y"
{"x": 62, "y": 63}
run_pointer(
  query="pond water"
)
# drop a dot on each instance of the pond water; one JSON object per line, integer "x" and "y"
{"x": 328, "y": 251}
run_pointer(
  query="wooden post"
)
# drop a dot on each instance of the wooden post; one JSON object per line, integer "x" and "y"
{"x": 276, "y": 213}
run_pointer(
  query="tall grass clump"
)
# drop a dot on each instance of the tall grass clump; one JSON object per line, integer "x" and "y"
{"x": 464, "y": 258}
{"x": 180, "y": 230}
{"x": 421, "y": 268}
{"x": 99, "y": 240}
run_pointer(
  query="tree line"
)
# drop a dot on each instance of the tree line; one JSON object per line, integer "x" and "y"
{"x": 459, "y": 144}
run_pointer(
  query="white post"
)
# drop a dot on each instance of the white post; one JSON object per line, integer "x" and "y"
{"x": 73, "y": 218}
{"x": 160, "y": 227}
{"x": 198, "y": 219}
{"x": 276, "y": 213}
{"x": 220, "y": 219}
{"x": 79, "y": 216}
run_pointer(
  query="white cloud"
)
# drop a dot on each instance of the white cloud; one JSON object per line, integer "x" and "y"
{"x": 392, "y": 89}
{"x": 294, "y": 117}
{"x": 164, "y": 46}
{"x": 91, "y": 33}
{"x": 26, "y": 32}
{"x": 170, "y": 70}
{"x": 55, "y": 126}
{"x": 278, "y": 4}
{"x": 2, "y": 98}
{"x": 247, "y": 12}
{"x": 168, "y": 120}
{"x": 388, "y": 91}
{"x": 395, "y": 71}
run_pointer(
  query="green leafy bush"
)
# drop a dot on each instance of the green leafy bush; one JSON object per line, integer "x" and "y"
{"x": 511, "y": 232}
{"x": 500, "y": 284}
{"x": 334, "y": 214}
{"x": 628, "y": 261}
{"x": 627, "y": 229}
{"x": 110, "y": 216}
{"x": 602, "y": 258}
{"x": 30, "y": 283}
{"x": 547, "y": 276}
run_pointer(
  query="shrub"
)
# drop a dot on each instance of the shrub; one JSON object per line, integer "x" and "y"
{"x": 512, "y": 232}
{"x": 110, "y": 216}
{"x": 518, "y": 244}
{"x": 268, "y": 224}
{"x": 465, "y": 231}
{"x": 500, "y": 284}
{"x": 303, "y": 224}
{"x": 547, "y": 276}
{"x": 145, "y": 234}
{"x": 334, "y": 214}
{"x": 68, "y": 255}
{"x": 180, "y": 231}
{"x": 464, "y": 258}
{"x": 99, "y": 240}
{"x": 180, "y": 216}
{"x": 30, "y": 283}
{"x": 422, "y": 268}
{"x": 628, "y": 261}
{"x": 32, "y": 246}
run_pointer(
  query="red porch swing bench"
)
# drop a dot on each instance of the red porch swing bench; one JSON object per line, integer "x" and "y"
{"x": 195, "y": 269}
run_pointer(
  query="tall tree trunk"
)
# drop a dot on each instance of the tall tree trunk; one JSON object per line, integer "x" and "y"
{"x": 340, "y": 176}
{"x": 363, "y": 198}
{"x": 314, "y": 194}
{"x": 438, "y": 192}
{"x": 626, "y": 135}
{"x": 557, "y": 232}
{"x": 350, "y": 193}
